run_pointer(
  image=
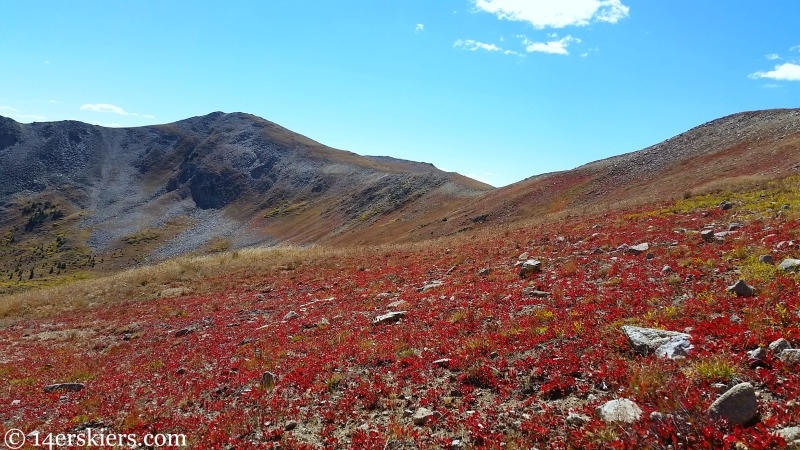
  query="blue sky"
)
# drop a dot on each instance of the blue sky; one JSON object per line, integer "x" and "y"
{"x": 499, "y": 90}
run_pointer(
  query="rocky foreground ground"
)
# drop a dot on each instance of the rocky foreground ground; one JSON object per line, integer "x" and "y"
{"x": 677, "y": 327}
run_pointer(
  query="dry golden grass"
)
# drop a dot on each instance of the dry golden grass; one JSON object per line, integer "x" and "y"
{"x": 203, "y": 274}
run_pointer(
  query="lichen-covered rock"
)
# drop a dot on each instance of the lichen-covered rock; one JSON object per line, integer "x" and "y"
{"x": 619, "y": 410}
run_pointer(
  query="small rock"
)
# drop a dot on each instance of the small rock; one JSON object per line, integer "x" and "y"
{"x": 485, "y": 272}
{"x": 397, "y": 304}
{"x": 456, "y": 443}
{"x": 15, "y": 402}
{"x": 268, "y": 380}
{"x": 734, "y": 226}
{"x": 530, "y": 267}
{"x": 67, "y": 387}
{"x": 180, "y": 371}
{"x": 291, "y": 315}
{"x": 766, "y": 259}
{"x": 290, "y": 425}
{"x": 389, "y": 317}
{"x": 666, "y": 270}
{"x": 735, "y": 319}
{"x": 638, "y": 248}
{"x": 533, "y": 292}
{"x": 725, "y": 205}
{"x": 523, "y": 256}
{"x": 758, "y": 353}
{"x": 620, "y": 410}
{"x": 789, "y": 264}
{"x": 791, "y": 435}
{"x": 738, "y": 405}
{"x": 421, "y": 416}
{"x": 431, "y": 285}
{"x": 790, "y": 356}
{"x": 577, "y": 419}
{"x": 184, "y": 331}
{"x": 443, "y": 362}
{"x": 742, "y": 289}
{"x": 707, "y": 235}
{"x": 779, "y": 345}
{"x": 655, "y": 415}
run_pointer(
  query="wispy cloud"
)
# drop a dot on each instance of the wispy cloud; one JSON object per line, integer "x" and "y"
{"x": 419, "y": 28}
{"x": 114, "y": 109}
{"x": 556, "y": 14}
{"x": 781, "y": 72}
{"x": 773, "y": 56}
{"x": 557, "y": 47}
{"x": 17, "y": 115}
{"x": 473, "y": 45}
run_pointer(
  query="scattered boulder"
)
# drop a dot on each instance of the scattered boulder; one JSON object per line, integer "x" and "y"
{"x": 666, "y": 270}
{"x": 779, "y": 345}
{"x": 790, "y": 356}
{"x": 184, "y": 331}
{"x": 737, "y": 406}
{"x": 577, "y": 419}
{"x": 638, "y": 248}
{"x": 290, "y": 425}
{"x": 533, "y": 292}
{"x": 789, "y": 264}
{"x": 291, "y": 315}
{"x": 390, "y": 317}
{"x": 620, "y": 410}
{"x": 766, "y": 259}
{"x": 443, "y": 362}
{"x": 431, "y": 285}
{"x": 523, "y": 256}
{"x": 66, "y": 387}
{"x": 268, "y": 380}
{"x": 422, "y": 415}
{"x": 530, "y": 267}
{"x": 792, "y": 437}
{"x": 397, "y": 304}
{"x": 735, "y": 226}
{"x": 485, "y": 272}
{"x": 650, "y": 340}
{"x": 675, "y": 348}
{"x": 725, "y": 205}
{"x": 742, "y": 289}
{"x": 707, "y": 235}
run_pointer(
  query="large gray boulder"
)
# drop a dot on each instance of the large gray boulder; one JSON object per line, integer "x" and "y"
{"x": 619, "y": 410}
{"x": 789, "y": 264}
{"x": 738, "y": 405}
{"x": 668, "y": 344}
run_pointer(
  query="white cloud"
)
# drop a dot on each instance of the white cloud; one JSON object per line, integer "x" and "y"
{"x": 52, "y": 101}
{"x": 796, "y": 47}
{"x": 472, "y": 45}
{"x": 782, "y": 72}
{"x": 558, "y": 47}
{"x": 15, "y": 114}
{"x": 773, "y": 56}
{"x": 556, "y": 14}
{"x": 114, "y": 109}
{"x": 419, "y": 28}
